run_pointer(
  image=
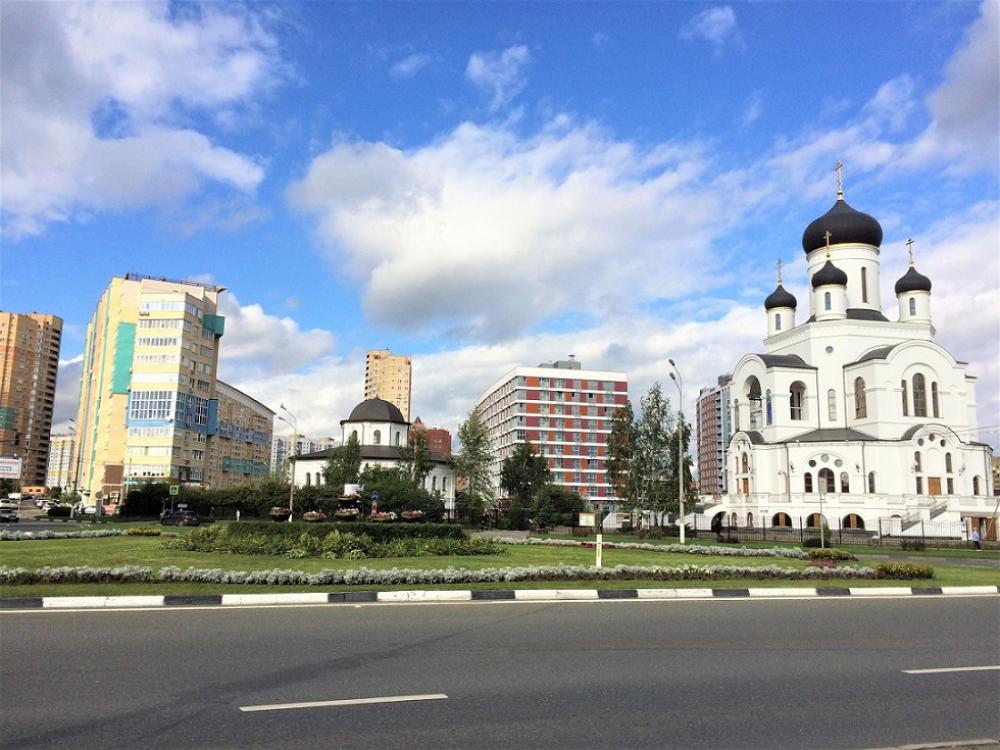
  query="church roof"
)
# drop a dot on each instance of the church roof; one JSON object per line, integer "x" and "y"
{"x": 829, "y": 274}
{"x": 845, "y": 225}
{"x": 376, "y": 410}
{"x": 881, "y": 353}
{"x": 830, "y": 435}
{"x": 372, "y": 452}
{"x": 780, "y": 297}
{"x": 785, "y": 360}
{"x": 859, "y": 313}
{"x": 912, "y": 281}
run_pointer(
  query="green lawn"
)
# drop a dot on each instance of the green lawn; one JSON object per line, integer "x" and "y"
{"x": 147, "y": 551}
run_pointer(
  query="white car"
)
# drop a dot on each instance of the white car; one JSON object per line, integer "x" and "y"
{"x": 10, "y": 504}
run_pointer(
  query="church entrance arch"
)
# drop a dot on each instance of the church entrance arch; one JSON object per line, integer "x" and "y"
{"x": 852, "y": 521}
{"x": 782, "y": 520}
{"x": 814, "y": 520}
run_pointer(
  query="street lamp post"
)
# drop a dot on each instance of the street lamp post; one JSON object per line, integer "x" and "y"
{"x": 679, "y": 382}
{"x": 294, "y": 424}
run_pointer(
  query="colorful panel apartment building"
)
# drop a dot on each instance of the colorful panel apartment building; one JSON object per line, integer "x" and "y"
{"x": 714, "y": 433}
{"x": 29, "y": 359}
{"x": 240, "y": 449}
{"x": 564, "y": 412}
{"x": 147, "y": 399}
{"x": 389, "y": 376}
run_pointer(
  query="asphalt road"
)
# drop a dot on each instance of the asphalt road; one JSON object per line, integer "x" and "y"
{"x": 717, "y": 674}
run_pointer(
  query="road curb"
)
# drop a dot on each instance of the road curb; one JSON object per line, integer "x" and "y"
{"x": 464, "y": 595}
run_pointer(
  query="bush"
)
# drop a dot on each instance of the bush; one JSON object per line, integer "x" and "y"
{"x": 913, "y": 545}
{"x": 143, "y": 531}
{"x": 815, "y": 541}
{"x": 378, "y": 532}
{"x": 60, "y": 511}
{"x": 903, "y": 571}
{"x": 829, "y": 553}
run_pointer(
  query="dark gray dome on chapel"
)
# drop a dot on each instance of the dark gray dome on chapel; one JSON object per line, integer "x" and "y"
{"x": 829, "y": 274}
{"x": 913, "y": 281}
{"x": 376, "y": 410}
{"x": 845, "y": 225}
{"x": 780, "y": 297}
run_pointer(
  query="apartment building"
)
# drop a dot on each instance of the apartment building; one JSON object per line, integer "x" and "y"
{"x": 714, "y": 432}
{"x": 565, "y": 413}
{"x": 389, "y": 376}
{"x": 284, "y": 447}
{"x": 29, "y": 359}
{"x": 147, "y": 398}
{"x": 438, "y": 439}
{"x": 62, "y": 461}
{"x": 240, "y": 449}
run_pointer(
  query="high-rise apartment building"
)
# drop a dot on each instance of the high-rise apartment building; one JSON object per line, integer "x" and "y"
{"x": 147, "y": 400}
{"x": 283, "y": 447}
{"x": 564, "y": 412}
{"x": 438, "y": 439}
{"x": 389, "y": 377}
{"x": 240, "y": 449}
{"x": 714, "y": 432}
{"x": 29, "y": 359}
{"x": 62, "y": 461}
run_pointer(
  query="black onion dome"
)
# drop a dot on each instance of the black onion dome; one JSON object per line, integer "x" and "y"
{"x": 845, "y": 225}
{"x": 780, "y": 297}
{"x": 376, "y": 410}
{"x": 829, "y": 274}
{"x": 912, "y": 281}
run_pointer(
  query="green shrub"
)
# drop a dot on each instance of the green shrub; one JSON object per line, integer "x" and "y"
{"x": 829, "y": 553}
{"x": 914, "y": 545}
{"x": 143, "y": 531}
{"x": 903, "y": 570}
{"x": 814, "y": 541}
{"x": 60, "y": 511}
{"x": 378, "y": 532}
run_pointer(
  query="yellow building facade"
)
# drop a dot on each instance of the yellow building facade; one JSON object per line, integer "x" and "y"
{"x": 389, "y": 376}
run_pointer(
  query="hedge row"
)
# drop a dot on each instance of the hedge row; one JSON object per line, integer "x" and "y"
{"x": 378, "y": 532}
{"x": 689, "y": 549}
{"x": 26, "y": 536}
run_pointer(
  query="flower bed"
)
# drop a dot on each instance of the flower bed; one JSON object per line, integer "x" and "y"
{"x": 690, "y": 549}
{"x": 398, "y": 576}
{"x": 26, "y": 536}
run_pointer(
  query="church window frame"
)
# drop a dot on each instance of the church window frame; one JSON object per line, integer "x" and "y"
{"x": 768, "y": 407}
{"x": 975, "y": 485}
{"x": 917, "y": 461}
{"x": 920, "y": 485}
{"x": 826, "y": 480}
{"x": 871, "y": 482}
{"x": 796, "y": 401}
{"x": 919, "y": 395}
{"x": 860, "y": 399}
{"x": 950, "y": 485}
{"x": 935, "y": 401}
{"x": 827, "y": 301}
{"x": 308, "y": 479}
{"x": 744, "y": 463}
{"x": 845, "y": 483}
{"x": 831, "y": 404}
{"x": 948, "y": 467}
{"x": 906, "y": 397}
{"x": 777, "y": 321}
{"x": 807, "y": 483}
{"x": 913, "y": 306}
{"x": 377, "y": 437}
{"x": 864, "y": 285}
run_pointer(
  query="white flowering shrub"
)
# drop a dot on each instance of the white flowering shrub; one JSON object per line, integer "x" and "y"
{"x": 398, "y": 576}
{"x": 689, "y": 549}
{"x": 26, "y": 536}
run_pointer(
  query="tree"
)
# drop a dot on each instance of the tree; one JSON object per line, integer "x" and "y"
{"x": 621, "y": 452}
{"x": 473, "y": 465}
{"x": 398, "y": 492}
{"x": 652, "y": 458}
{"x": 522, "y": 475}
{"x": 555, "y": 506}
{"x": 684, "y": 428}
{"x": 344, "y": 464}
{"x": 415, "y": 459}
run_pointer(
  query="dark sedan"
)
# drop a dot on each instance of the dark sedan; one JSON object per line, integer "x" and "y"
{"x": 180, "y": 518}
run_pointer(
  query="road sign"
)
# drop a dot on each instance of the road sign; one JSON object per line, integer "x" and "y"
{"x": 10, "y": 468}
{"x": 587, "y": 519}
{"x": 175, "y": 489}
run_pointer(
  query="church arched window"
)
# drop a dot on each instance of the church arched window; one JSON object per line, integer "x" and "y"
{"x": 935, "y": 400}
{"x": 831, "y": 404}
{"x": 917, "y": 465}
{"x": 913, "y": 305}
{"x": 845, "y": 482}
{"x": 377, "y": 437}
{"x": 736, "y": 415}
{"x": 768, "y": 407}
{"x": 871, "y": 482}
{"x": 354, "y": 434}
{"x": 807, "y": 482}
{"x": 827, "y": 482}
{"x": 864, "y": 285}
{"x": 797, "y": 393}
{"x": 919, "y": 395}
{"x": 777, "y": 321}
{"x": 827, "y": 301}
{"x": 860, "y": 400}
{"x": 308, "y": 479}
{"x": 947, "y": 463}
{"x": 906, "y": 399}
{"x": 975, "y": 485}
{"x": 399, "y": 438}
{"x": 745, "y": 464}
{"x": 753, "y": 398}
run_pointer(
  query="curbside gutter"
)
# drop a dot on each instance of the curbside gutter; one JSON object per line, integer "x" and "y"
{"x": 484, "y": 595}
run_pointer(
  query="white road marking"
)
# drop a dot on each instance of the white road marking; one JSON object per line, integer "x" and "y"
{"x": 992, "y": 668}
{"x": 346, "y": 702}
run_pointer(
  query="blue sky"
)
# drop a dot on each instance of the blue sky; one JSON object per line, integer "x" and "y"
{"x": 489, "y": 184}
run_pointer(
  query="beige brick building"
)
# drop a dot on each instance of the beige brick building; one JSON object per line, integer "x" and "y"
{"x": 389, "y": 376}
{"x": 62, "y": 462}
{"x": 240, "y": 450}
{"x": 29, "y": 359}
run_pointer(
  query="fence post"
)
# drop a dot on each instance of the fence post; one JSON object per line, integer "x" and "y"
{"x": 802, "y": 537}
{"x": 923, "y": 536}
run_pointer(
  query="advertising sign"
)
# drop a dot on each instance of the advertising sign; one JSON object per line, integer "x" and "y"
{"x": 587, "y": 519}
{"x": 10, "y": 468}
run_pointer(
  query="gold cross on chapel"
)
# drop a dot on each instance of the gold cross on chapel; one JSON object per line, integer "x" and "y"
{"x": 840, "y": 180}
{"x": 909, "y": 249}
{"x": 778, "y": 264}
{"x": 827, "y": 235}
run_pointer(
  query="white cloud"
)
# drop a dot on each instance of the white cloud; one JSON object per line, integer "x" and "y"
{"x": 99, "y": 100}
{"x": 485, "y": 234}
{"x": 715, "y": 25}
{"x": 500, "y": 74}
{"x": 410, "y": 65}
{"x": 67, "y": 393}
{"x": 753, "y": 110}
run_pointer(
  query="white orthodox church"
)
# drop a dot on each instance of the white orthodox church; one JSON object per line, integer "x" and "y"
{"x": 850, "y": 412}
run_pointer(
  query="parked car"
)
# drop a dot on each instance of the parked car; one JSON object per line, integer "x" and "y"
{"x": 7, "y": 515}
{"x": 10, "y": 504}
{"x": 180, "y": 518}
{"x": 85, "y": 510}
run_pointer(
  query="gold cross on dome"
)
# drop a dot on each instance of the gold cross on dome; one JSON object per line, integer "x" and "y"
{"x": 909, "y": 249}
{"x": 840, "y": 180}
{"x": 778, "y": 264}
{"x": 827, "y": 235}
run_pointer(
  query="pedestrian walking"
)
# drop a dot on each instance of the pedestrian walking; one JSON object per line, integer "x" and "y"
{"x": 975, "y": 540}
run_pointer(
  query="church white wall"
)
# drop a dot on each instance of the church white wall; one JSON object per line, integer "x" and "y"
{"x": 921, "y": 307}
{"x": 376, "y": 433}
{"x": 851, "y": 259}
{"x": 837, "y": 296}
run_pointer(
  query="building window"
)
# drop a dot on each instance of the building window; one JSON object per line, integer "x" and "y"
{"x": 434, "y": 484}
{"x": 975, "y": 485}
{"x": 871, "y": 482}
{"x": 860, "y": 401}
{"x": 947, "y": 463}
{"x": 917, "y": 466}
{"x": 864, "y": 285}
{"x": 845, "y": 482}
{"x": 920, "y": 485}
{"x": 935, "y": 402}
{"x": 913, "y": 306}
{"x": 399, "y": 438}
{"x": 807, "y": 482}
{"x": 745, "y": 464}
{"x": 919, "y": 395}
{"x": 377, "y": 437}
{"x": 777, "y": 321}
{"x": 827, "y": 482}
{"x": 827, "y": 302}
{"x": 768, "y": 407}
{"x": 906, "y": 399}
{"x": 796, "y": 397}
{"x": 308, "y": 479}
{"x": 444, "y": 485}
{"x": 951, "y": 485}
{"x": 831, "y": 404}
